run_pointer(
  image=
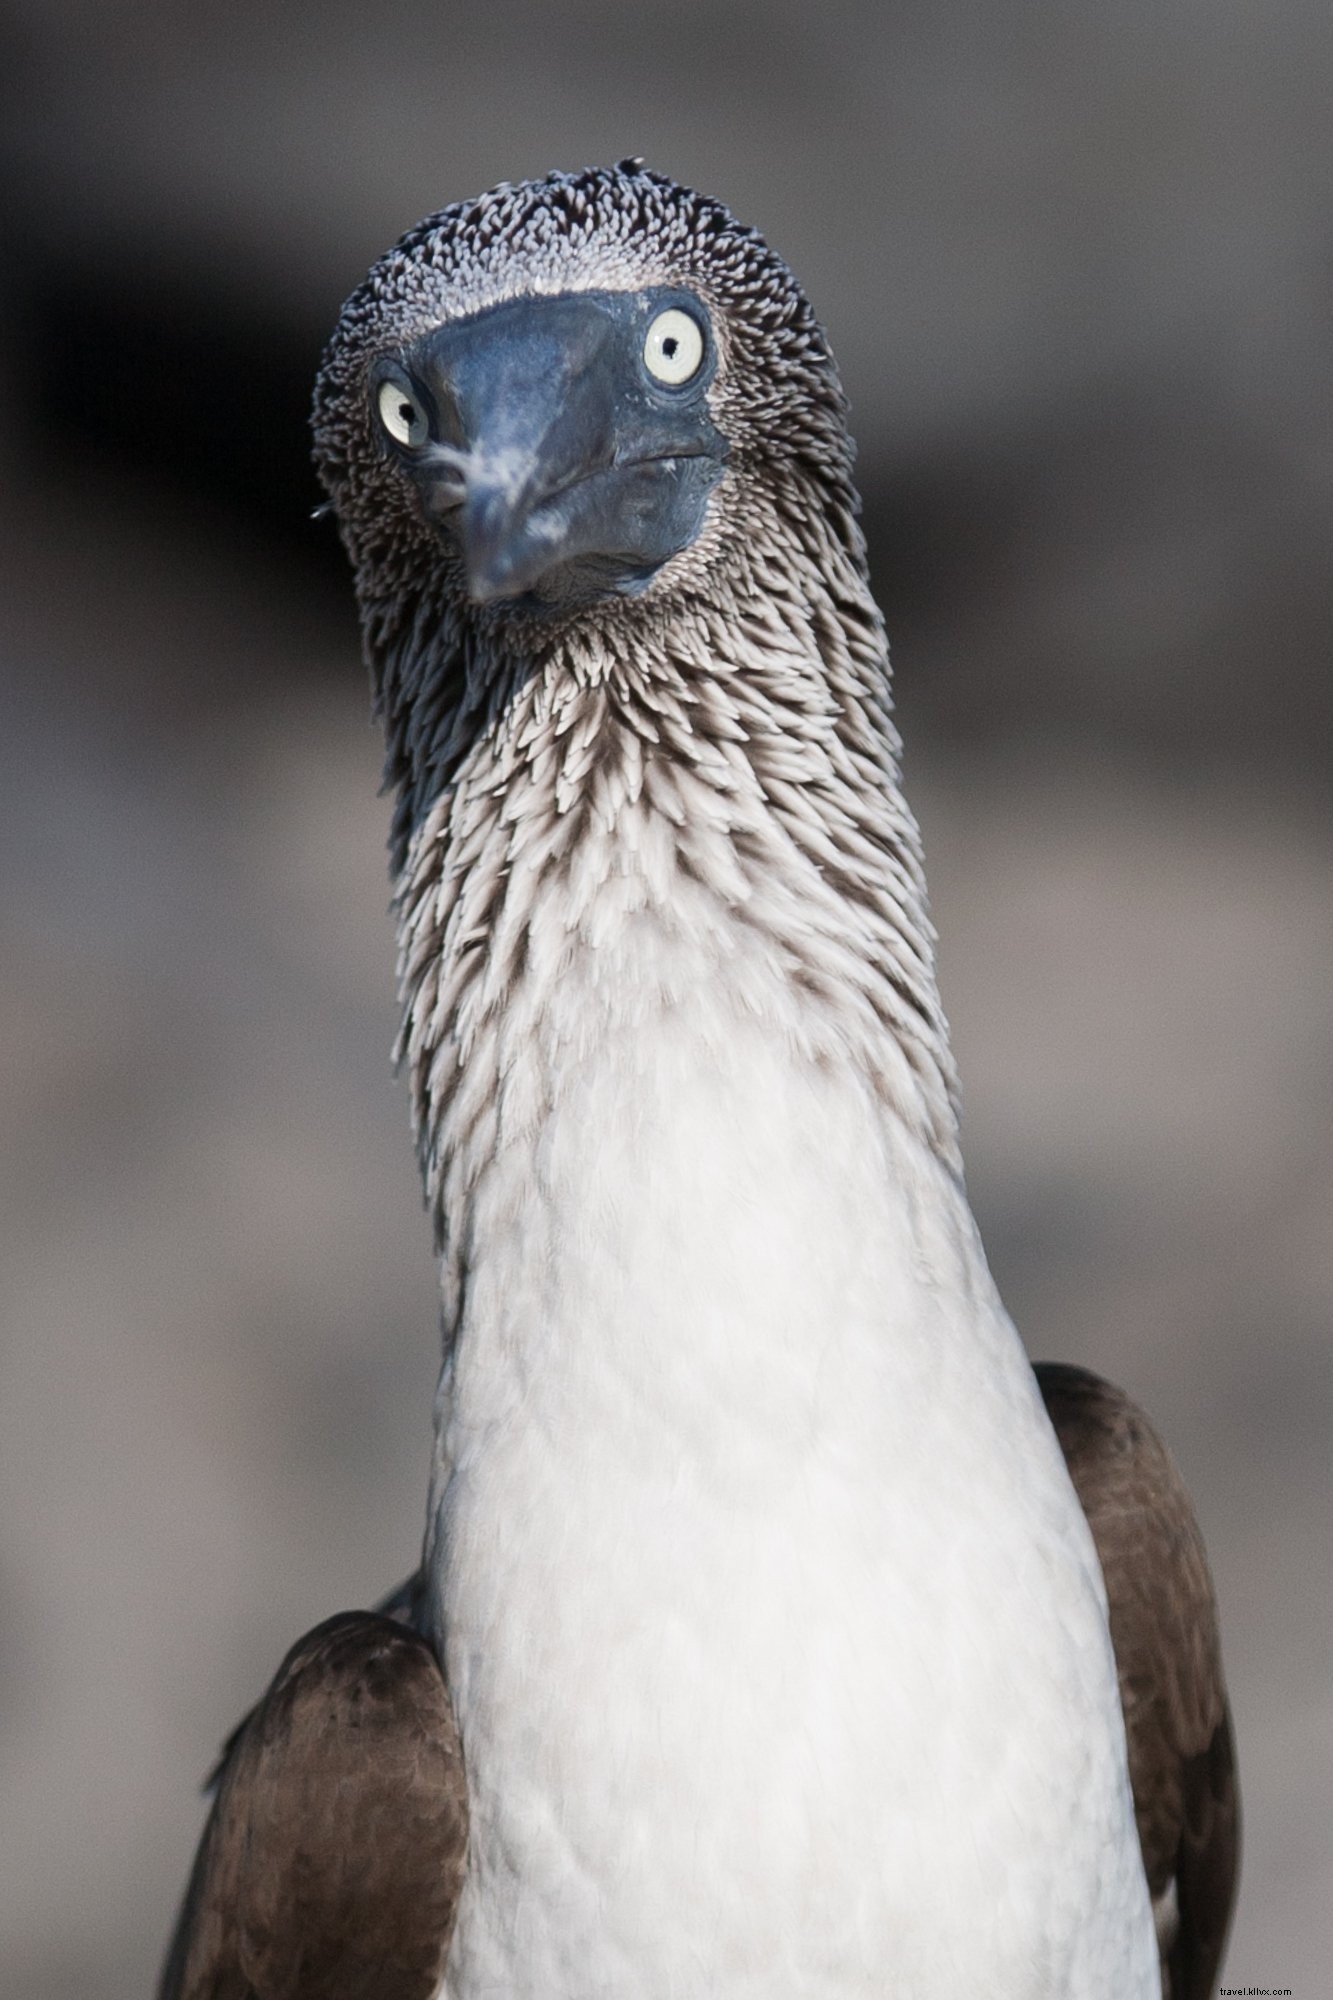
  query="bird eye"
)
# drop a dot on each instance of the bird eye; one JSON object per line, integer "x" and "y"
{"x": 674, "y": 347}
{"x": 402, "y": 415}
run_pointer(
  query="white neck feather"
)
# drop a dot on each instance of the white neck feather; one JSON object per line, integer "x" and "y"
{"x": 717, "y": 807}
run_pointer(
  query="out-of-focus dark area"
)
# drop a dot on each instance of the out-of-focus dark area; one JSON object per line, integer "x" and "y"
{"x": 1078, "y": 266}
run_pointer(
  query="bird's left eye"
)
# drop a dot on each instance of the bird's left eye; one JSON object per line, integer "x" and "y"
{"x": 401, "y": 414}
{"x": 674, "y": 347}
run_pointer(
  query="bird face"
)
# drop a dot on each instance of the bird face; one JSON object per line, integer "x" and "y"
{"x": 562, "y": 445}
{"x": 575, "y": 399}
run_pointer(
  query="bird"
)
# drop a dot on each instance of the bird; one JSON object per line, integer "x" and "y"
{"x": 778, "y": 1630}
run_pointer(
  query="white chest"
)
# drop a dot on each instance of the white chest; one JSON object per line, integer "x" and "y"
{"x": 769, "y": 1616}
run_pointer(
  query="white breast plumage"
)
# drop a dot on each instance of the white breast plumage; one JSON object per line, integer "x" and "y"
{"x": 755, "y": 1570}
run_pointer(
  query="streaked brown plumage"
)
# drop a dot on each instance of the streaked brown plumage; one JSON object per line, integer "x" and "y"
{"x": 332, "y": 1860}
{"x": 1169, "y": 1663}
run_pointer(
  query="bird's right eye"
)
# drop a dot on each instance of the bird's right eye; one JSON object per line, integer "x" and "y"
{"x": 402, "y": 415}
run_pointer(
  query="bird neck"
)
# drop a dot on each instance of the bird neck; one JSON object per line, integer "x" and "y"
{"x": 706, "y": 800}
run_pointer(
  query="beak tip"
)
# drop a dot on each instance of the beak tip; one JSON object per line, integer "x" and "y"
{"x": 490, "y": 576}
{"x": 494, "y": 540}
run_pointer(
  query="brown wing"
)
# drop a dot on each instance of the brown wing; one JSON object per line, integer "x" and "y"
{"x": 1168, "y": 1656}
{"x": 331, "y": 1864}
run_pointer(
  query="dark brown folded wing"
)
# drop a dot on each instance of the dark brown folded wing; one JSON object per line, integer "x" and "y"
{"x": 1168, "y": 1656}
{"x": 332, "y": 1860}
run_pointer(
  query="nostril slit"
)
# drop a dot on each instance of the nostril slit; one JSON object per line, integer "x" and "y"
{"x": 445, "y": 471}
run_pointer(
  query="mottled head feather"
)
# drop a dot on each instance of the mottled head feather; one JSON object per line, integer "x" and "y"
{"x": 776, "y": 397}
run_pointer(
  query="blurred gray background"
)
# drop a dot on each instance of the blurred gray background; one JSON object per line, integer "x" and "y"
{"x": 1078, "y": 265}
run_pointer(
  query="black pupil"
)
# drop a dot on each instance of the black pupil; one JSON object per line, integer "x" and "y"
{"x": 669, "y": 346}
{"x": 407, "y": 413}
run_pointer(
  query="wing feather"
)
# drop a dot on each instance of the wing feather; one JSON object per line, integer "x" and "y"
{"x": 332, "y": 1860}
{"x": 1163, "y": 1616}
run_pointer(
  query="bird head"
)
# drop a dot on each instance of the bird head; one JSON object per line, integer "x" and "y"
{"x": 567, "y": 397}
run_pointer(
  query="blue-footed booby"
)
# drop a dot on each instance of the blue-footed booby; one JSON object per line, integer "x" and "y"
{"x": 767, "y": 1648}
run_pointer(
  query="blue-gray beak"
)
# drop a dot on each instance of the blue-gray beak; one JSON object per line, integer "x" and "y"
{"x": 555, "y": 460}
